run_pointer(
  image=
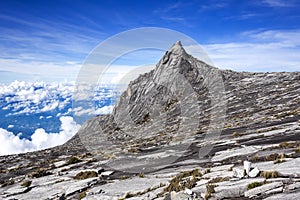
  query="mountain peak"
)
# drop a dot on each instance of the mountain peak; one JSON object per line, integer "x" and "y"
{"x": 177, "y": 48}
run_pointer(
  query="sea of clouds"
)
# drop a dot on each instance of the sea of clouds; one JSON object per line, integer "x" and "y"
{"x": 40, "y": 139}
{"x": 29, "y": 111}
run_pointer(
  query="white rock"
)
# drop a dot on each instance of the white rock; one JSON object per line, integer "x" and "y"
{"x": 289, "y": 196}
{"x": 293, "y": 186}
{"x": 247, "y": 166}
{"x": 230, "y": 189}
{"x": 59, "y": 163}
{"x": 181, "y": 196}
{"x": 202, "y": 182}
{"x": 188, "y": 191}
{"x": 229, "y": 153}
{"x": 288, "y": 168}
{"x": 15, "y": 190}
{"x": 262, "y": 189}
{"x": 119, "y": 188}
{"x": 254, "y": 172}
{"x": 222, "y": 168}
{"x": 238, "y": 172}
{"x": 173, "y": 194}
{"x": 107, "y": 173}
{"x": 274, "y": 191}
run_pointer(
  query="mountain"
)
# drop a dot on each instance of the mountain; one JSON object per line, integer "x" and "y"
{"x": 183, "y": 130}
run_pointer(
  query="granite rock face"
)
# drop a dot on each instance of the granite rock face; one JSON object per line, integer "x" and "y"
{"x": 185, "y": 130}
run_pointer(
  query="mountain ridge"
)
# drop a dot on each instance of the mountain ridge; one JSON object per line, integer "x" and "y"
{"x": 184, "y": 124}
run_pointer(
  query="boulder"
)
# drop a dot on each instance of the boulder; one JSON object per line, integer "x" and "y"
{"x": 247, "y": 166}
{"x": 238, "y": 172}
{"x": 254, "y": 172}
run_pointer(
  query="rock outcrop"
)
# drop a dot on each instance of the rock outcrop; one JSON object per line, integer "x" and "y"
{"x": 185, "y": 130}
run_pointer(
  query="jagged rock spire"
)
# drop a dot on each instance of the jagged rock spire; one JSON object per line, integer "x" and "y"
{"x": 177, "y": 49}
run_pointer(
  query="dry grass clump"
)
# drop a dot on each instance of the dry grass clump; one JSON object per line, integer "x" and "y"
{"x": 254, "y": 185}
{"x": 285, "y": 145}
{"x": 26, "y": 183}
{"x": 82, "y": 195}
{"x": 184, "y": 180}
{"x": 273, "y": 157}
{"x": 270, "y": 174}
{"x": 85, "y": 175}
{"x": 40, "y": 173}
{"x": 210, "y": 188}
{"x": 6, "y": 183}
{"x": 235, "y": 134}
{"x": 73, "y": 160}
{"x": 219, "y": 179}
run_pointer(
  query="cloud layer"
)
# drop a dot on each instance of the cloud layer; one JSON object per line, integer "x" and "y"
{"x": 12, "y": 144}
{"x": 26, "y": 98}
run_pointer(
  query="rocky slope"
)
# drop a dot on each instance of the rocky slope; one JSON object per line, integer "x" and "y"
{"x": 185, "y": 130}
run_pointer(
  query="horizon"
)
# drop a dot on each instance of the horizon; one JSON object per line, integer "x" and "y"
{"x": 50, "y": 42}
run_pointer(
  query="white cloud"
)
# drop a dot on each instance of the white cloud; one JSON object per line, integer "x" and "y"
{"x": 104, "y": 110}
{"x": 79, "y": 111}
{"x": 12, "y": 144}
{"x": 25, "y": 97}
{"x": 278, "y": 3}
{"x": 271, "y": 50}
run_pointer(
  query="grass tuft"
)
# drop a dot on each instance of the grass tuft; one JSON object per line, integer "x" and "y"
{"x": 85, "y": 175}
{"x": 183, "y": 180}
{"x": 73, "y": 160}
{"x": 210, "y": 188}
{"x": 26, "y": 183}
{"x": 254, "y": 185}
{"x": 270, "y": 174}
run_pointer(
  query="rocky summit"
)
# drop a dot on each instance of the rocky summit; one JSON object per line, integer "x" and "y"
{"x": 185, "y": 130}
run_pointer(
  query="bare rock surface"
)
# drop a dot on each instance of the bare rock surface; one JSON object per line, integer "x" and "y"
{"x": 185, "y": 130}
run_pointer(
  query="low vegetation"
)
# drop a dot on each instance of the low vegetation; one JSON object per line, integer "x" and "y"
{"x": 286, "y": 145}
{"x": 82, "y": 195}
{"x": 270, "y": 174}
{"x": 219, "y": 179}
{"x": 8, "y": 182}
{"x": 73, "y": 160}
{"x": 210, "y": 188}
{"x": 40, "y": 173}
{"x": 235, "y": 134}
{"x": 254, "y": 185}
{"x": 183, "y": 180}
{"x": 85, "y": 175}
{"x": 26, "y": 183}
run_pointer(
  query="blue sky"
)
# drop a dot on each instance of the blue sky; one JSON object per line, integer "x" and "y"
{"x": 49, "y": 40}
